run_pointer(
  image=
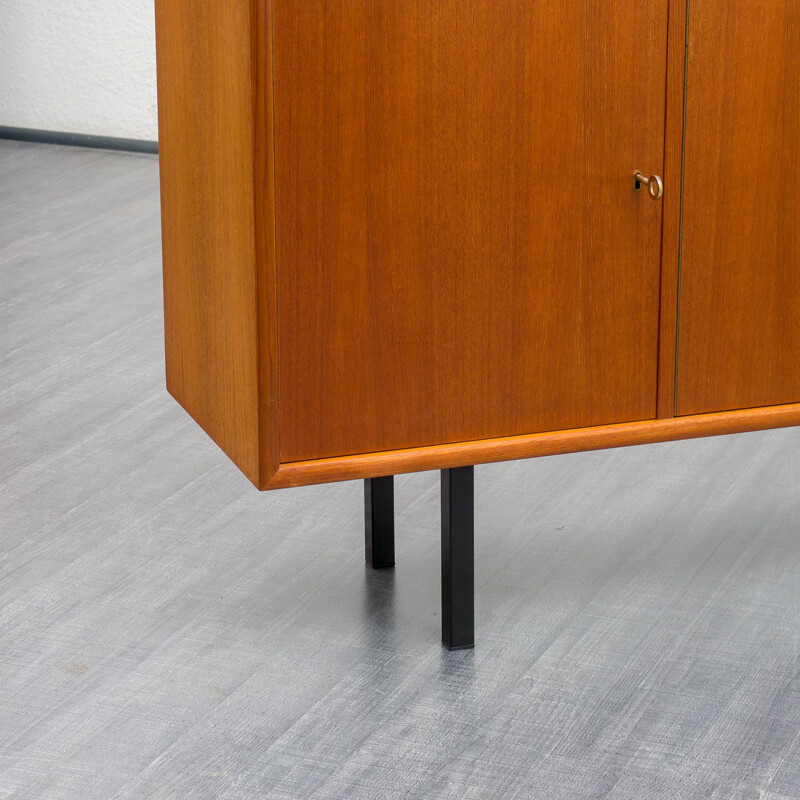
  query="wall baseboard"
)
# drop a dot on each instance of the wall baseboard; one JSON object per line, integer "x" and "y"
{"x": 78, "y": 139}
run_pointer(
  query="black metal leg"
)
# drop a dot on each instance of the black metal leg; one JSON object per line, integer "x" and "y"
{"x": 458, "y": 558}
{"x": 379, "y": 521}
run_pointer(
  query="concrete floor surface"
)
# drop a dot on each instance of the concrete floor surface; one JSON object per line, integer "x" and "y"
{"x": 168, "y": 632}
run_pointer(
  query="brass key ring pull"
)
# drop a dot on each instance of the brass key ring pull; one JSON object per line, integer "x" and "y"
{"x": 654, "y": 184}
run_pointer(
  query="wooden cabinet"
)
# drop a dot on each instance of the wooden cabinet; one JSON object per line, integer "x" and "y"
{"x": 404, "y": 234}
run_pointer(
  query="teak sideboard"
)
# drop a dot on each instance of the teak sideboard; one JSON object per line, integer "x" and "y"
{"x": 403, "y": 235}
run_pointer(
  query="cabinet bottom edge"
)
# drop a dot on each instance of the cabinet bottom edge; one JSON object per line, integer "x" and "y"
{"x": 511, "y": 448}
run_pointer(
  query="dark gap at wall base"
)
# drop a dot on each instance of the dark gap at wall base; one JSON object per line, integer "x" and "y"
{"x": 78, "y": 139}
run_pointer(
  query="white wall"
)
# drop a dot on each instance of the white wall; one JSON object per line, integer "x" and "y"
{"x": 83, "y": 66}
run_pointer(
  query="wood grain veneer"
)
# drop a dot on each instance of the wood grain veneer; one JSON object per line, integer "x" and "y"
{"x": 216, "y": 165}
{"x": 740, "y": 274}
{"x": 671, "y": 220}
{"x": 461, "y": 251}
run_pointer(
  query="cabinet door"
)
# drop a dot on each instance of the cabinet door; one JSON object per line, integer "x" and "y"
{"x": 461, "y": 253}
{"x": 739, "y": 315}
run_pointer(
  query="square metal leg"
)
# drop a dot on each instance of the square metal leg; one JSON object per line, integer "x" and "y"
{"x": 458, "y": 558}
{"x": 379, "y": 521}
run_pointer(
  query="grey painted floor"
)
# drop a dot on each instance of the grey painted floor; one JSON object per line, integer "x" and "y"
{"x": 168, "y": 632}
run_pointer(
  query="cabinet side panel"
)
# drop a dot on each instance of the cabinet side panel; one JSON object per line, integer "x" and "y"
{"x": 206, "y": 128}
